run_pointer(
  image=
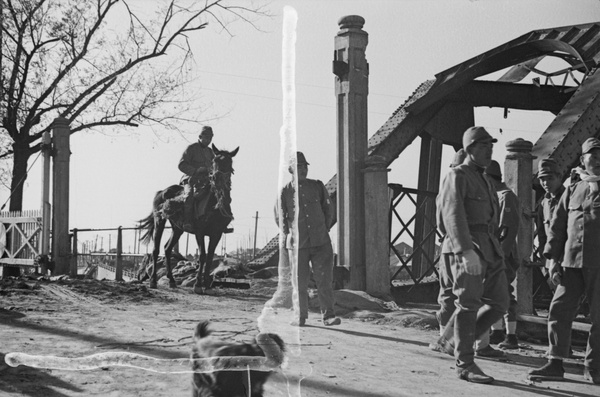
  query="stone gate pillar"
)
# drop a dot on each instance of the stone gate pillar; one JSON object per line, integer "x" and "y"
{"x": 351, "y": 89}
{"x": 61, "y": 247}
{"x": 377, "y": 231}
{"x": 518, "y": 171}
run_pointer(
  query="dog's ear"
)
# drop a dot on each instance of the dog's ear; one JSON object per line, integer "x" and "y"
{"x": 278, "y": 341}
{"x": 201, "y": 330}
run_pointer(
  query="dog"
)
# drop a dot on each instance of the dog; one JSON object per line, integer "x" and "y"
{"x": 231, "y": 383}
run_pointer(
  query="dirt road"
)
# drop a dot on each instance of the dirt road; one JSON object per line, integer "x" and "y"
{"x": 372, "y": 353}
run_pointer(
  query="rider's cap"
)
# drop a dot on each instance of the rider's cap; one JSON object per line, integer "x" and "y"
{"x": 476, "y": 134}
{"x": 206, "y": 130}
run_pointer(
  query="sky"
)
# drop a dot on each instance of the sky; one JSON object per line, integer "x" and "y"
{"x": 115, "y": 174}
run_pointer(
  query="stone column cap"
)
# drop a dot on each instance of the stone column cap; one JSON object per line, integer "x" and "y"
{"x": 351, "y": 22}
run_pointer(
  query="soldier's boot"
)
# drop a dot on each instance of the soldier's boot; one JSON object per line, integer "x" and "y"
{"x": 473, "y": 374}
{"x": 188, "y": 214}
{"x": 510, "y": 342}
{"x": 553, "y": 370}
{"x": 466, "y": 368}
{"x": 497, "y": 336}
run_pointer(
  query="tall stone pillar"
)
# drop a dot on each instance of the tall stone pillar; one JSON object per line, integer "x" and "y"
{"x": 46, "y": 149}
{"x": 61, "y": 247}
{"x": 351, "y": 88}
{"x": 518, "y": 171}
{"x": 377, "y": 231}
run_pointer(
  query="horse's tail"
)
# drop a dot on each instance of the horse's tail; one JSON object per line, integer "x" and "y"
{"x": 147, "y": 224}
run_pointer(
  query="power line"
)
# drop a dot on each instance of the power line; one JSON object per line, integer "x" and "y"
{"x": 279, "y": 100}
{"x": 300, "y": 84}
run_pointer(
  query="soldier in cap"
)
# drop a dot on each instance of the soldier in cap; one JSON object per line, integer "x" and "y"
{"x": 195, "y": 163}
{"x": 446, "y": 297}
{"x": 510, "y": 219}
{"x": 551, "y": 180}
{"x": 310, "y": 237}
{"x": 468, "y": 215}
{"x": 574, "y": 243}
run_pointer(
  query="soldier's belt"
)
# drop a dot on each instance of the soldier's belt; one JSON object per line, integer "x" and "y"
{"x": 482, "y": 228}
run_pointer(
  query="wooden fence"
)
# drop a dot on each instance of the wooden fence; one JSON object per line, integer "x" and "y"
{"x": 20, "y": 234}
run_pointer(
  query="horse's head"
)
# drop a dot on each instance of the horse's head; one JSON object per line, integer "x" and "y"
{"x": 223, "y": 160}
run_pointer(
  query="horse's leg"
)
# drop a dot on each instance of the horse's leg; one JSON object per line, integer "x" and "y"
{"x": 175, "y": 235}
{"x": 213, "y": 241}
{"x": 159, "y": 227}
{"x": 198, "y": 288}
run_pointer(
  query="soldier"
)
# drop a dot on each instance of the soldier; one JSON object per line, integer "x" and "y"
{"x": 510, "y": 219}
{"x": 573, "y": 248}
{"x": 195, "y": 163}
{"x": 446, "y": 296}
{"x": 310, "y": 237}
{"x": 468, "y": 215}
{"x": 551, "y": 181}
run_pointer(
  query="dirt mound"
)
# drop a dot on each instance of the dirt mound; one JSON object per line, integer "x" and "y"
{"x": 109, "y": 291}
{"x": 14, "y": 285}
{"x": 103, "y": 291}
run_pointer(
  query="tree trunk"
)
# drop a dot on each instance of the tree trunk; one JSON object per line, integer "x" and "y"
{"x": 19, "y": 174}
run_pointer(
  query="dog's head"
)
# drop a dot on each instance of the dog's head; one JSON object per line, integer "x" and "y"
{"x": 231, "y": 383}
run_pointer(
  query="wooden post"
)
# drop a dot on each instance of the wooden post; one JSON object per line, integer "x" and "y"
{"x": 351, "y": 88}
{"x": 119, "y": 265}
{"x": 377, "y": 237}
{"x": 60, "y": 195}
{"x": 518, "y": 169}
{"x": 46, "y": 149}
{"x": 74, "y": 255}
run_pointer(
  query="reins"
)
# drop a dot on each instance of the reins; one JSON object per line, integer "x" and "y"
{"x": 221, "y": 187}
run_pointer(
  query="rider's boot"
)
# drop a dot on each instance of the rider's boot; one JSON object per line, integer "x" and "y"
{"x": 188, "y": 214}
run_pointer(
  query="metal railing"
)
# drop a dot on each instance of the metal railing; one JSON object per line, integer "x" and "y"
{"x": 116, "y": 259}
{"x": 425, "y": 248}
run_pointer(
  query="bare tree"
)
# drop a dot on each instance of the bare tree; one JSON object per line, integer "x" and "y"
{"x": 99, "y": 63}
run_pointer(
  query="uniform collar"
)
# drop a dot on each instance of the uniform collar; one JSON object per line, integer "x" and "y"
{"x": 557, "y": 195}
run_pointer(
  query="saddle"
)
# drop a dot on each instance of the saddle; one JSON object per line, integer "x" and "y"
{"x": 176, "y": 198}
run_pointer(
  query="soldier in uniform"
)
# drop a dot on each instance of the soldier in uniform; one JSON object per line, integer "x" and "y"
{"x": 573, "y": 246}
{"x": 468, "y": 214}
{"x": 510, "y": 219}
{"x": 311, "y": 238}
{"x": 446, "y": 297}
{"x": 195, "y": 163}
{"x": 551, "y": 181}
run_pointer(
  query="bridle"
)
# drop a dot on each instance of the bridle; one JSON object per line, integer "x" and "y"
{"x": 220, "y": 185}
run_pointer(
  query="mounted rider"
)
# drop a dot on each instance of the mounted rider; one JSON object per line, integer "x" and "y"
{"x": 196, "y": 162}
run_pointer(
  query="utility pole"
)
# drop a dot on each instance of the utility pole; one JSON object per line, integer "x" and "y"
{"x": 255, "y": 230}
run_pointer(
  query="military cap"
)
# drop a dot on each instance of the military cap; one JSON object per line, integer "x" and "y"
{"x": 494, "y": 170}
{"x": 458, "y": 159}
{"x": 206, "y": 130}
{"x": 299, "y": 159}
{"x": 589, "y": 144}
{"x": 476, "y": 134}
{"x": 547, "y": 167}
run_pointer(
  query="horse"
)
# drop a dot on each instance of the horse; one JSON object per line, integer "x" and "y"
{"x": 168, "y": 205}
